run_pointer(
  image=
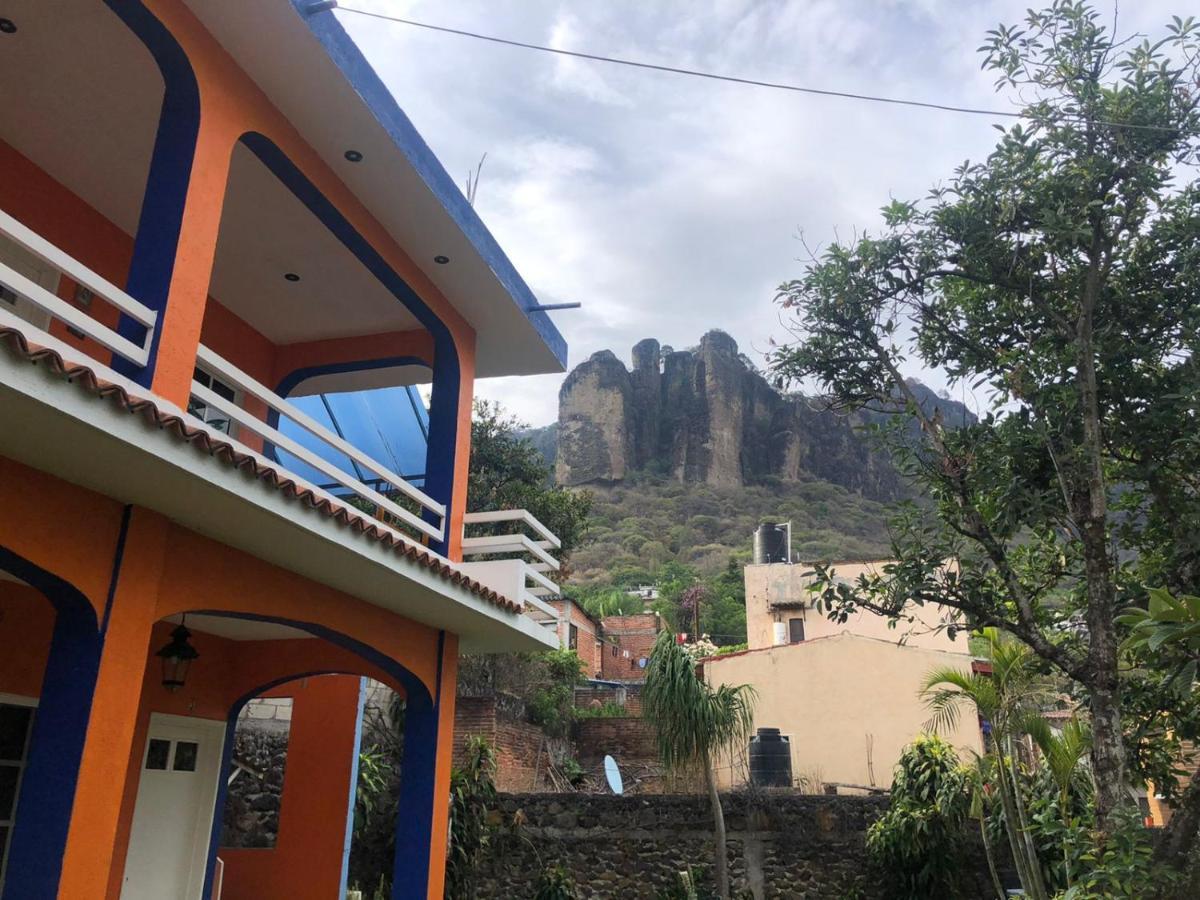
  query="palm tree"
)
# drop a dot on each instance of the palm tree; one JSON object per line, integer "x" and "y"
{"x": 693, "y": 723}
{"x": 1006, "y": 699}
{"x": 979, "y": 775}
{"x": 1063, "y": 754}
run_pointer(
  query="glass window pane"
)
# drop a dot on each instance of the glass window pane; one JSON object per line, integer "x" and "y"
{"x": 185, "y": 756}
{"x": 158, "y": 754}
{"x": 14, "y": 730}
{"x": 8, "y": 790}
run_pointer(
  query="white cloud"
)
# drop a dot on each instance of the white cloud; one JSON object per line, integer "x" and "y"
{"x": 670, "y": 205}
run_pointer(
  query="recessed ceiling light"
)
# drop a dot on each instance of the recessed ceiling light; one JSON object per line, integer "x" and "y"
{"x": 353, "y": 156}
{"x": 291, "y": 276}
{"x": 8, "y": 26}
{"x": 441, "y": 260}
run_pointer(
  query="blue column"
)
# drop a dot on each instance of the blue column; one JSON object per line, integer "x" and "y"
{"x": 414, "y": 814}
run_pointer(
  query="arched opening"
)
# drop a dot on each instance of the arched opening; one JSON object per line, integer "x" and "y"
{"x": 47, "y": 675}
{"x": 244, "y": 777}
{"x": 91, "y": 128}
{"x": 302, "y": 310}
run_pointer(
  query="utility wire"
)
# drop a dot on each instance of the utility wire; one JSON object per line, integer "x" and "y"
{"x": 732, "y": 79}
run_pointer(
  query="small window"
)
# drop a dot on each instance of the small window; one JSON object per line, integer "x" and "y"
{"x": 614, "y": 649}
{"x": 202, "y": 411}
{"x": 185, "y": 756}
{"x": 573, "y": 637}
{"x": 795, "y": 631}
{"x": 16, "y": 725}
{"x": 157, "y": 754}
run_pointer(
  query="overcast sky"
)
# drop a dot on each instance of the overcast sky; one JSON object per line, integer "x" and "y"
{"x": 669, "y": 205}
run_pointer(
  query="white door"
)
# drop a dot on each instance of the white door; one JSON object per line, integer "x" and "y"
{"x": 172, "y": 820}
{"x": 36, "y": 271}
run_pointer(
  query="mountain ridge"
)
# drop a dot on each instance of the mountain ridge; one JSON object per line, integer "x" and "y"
{"x": 706, "y": 415}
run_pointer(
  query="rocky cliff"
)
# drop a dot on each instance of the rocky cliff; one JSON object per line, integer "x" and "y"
{"x": 706, "y": 415}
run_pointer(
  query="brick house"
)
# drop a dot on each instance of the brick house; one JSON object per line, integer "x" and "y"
{"x": 579, "y": 630}
{"x": 627, "y": 642}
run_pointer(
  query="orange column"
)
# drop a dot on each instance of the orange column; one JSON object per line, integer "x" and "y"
{"x": 180, "y": 322}
{"x": 104, "y": 766}
{"x": 462, "y": 450}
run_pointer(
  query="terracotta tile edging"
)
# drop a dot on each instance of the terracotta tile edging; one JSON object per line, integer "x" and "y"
{"x": 86, "y": 378}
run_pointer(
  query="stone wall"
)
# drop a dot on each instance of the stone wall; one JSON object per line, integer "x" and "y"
{"x": 250, "y": 817}
{"x": 780, "y": 846}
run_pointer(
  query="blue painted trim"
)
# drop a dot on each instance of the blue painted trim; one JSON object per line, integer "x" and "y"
{"x": 161, "y": 221}
{"x": 43, "y": 814}
{"x": 447, "y": 376}
{"x": 418, "y": 777}
{"x": 414, "y": 689}
{"x": 293, "y": 379}
{"x": 387, "y": 112}
{"x": 352, "y": 803}
{"x": 118, "y": 559}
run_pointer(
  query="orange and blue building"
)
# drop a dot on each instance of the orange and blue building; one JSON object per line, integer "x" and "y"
{"x": 228, "y": 266}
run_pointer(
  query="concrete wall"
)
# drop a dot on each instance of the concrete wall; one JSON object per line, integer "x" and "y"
{"x": 832, "y": 696}
{"x": 768, "y": 586}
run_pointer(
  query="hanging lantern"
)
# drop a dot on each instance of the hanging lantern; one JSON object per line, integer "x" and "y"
{"x": 177, "y": 658}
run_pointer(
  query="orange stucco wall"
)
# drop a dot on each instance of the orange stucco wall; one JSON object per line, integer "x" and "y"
{"x": 38, "y": 201}
{"x": 315, "y": 802}
{"x": 26, "y": 625}
{"x": 166, "y": 570}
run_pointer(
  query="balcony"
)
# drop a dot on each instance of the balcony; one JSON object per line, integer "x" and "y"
{"x": 508, "y": 551}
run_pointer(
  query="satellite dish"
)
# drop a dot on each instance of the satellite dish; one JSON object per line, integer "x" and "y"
{"x": 613, "y": 774}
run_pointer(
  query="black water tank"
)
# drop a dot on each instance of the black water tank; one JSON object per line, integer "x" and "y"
{"x": 770, "y": 759}
{"x": 771, "y": 544}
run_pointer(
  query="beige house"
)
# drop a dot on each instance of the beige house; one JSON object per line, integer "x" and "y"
{"x": 847, "y": 695}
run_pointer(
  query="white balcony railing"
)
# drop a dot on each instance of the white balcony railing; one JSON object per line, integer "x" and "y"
{"x": 393, "y": 488}
{"x": 516, "y": 556}
{"x": 46, "y": 301}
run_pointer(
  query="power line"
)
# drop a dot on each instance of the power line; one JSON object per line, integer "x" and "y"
{"x": 732, "y": 79}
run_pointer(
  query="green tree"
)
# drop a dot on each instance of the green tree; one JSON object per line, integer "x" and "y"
{"x": 918, "y": 842}
{"x": 694, "y": 722}
{"x": 472, "y": 791}
{"x": 508, "y": 472}
{"x": 1060, "y": 274}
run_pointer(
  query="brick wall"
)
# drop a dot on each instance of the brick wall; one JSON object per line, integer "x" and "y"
{"x": 520, "y": 746}
{"x": 628, "y": 696}
{"x": 629, "y": 740}
{"x": 586, "y": 644}
{"x": 627, "y": 641}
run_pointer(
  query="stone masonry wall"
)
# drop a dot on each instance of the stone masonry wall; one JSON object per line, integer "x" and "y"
{"x": 780, "y": 846}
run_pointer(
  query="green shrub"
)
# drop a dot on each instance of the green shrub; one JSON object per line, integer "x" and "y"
{"x": 917, "y": 844}
{"x": 555, "y": 883}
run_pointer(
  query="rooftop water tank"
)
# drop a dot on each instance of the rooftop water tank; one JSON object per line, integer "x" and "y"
{"x": 770, "y": 759}
{"x": 771, "y": 544}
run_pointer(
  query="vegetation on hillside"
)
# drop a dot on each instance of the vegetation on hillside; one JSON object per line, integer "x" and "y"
{"x": 639, "y": 527}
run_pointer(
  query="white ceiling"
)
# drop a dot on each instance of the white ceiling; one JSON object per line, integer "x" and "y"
{"x": 92, "y": 124}
{"x": 239, "y": 629}
{"x": 265, "y": 233}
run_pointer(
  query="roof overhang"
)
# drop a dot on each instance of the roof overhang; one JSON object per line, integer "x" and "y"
{"x": 313, "y": 72}
{"x": 67, "y": 431}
